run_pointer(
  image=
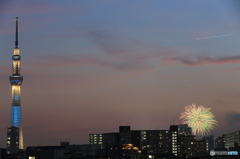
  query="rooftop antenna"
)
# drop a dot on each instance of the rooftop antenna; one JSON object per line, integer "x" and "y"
{"x": 157, "y": 127}
{"x": 128, "y": 122}
{"x": 16, "y": 35}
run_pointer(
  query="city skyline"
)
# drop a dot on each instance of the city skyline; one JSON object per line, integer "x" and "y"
{"x": 92, "y": 66}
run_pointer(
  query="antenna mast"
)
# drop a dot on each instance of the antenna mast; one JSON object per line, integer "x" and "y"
{"x": 16, "y": 36}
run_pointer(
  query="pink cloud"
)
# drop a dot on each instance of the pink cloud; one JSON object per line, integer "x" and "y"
{"x": 117, "y": 63}
{"x": 234, "y": 70}
{"x": 58, "y": 61}
{"x": 123, "y": 62}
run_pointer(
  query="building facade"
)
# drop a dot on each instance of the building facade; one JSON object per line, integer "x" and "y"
{"x": 230, "y": 139}
{"x": 209, "y": 141}
{"x": 139, "y": 142}
{"x": 143, "y": 144}
{"x": 96, "y": 140}
{"x": 184, "y": 129}
{"x": 219, "y": 143}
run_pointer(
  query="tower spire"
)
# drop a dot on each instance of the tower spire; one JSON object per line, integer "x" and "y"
{"x": 16, "y": 36}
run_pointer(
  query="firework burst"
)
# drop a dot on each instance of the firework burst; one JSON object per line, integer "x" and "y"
{"x": 199, "y": 118}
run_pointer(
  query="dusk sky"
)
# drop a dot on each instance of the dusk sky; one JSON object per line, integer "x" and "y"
{"x": 90, "y": 66}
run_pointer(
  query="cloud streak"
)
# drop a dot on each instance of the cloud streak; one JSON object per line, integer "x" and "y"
{"x": 213, "y": 36}
{"x": 234, "y": 70}
{"x": 117, "y": 63}
{"x": 203, "y": 60}
{"x": 110, "y": 42}
{"x": 130, "y": 64}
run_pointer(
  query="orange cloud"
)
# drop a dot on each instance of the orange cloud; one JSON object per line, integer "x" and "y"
{"x": 234, "y": 70}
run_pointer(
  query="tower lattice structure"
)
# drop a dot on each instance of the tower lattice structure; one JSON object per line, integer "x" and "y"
{"x": 14, "y": 133}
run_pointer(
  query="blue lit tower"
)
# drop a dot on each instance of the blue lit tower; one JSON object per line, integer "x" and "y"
{"x": 14, "y": 133}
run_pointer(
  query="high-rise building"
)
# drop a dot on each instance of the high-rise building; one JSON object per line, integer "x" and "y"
{"x": 14, "y": 133}
{"x": 230, "y": 139}
{"x": 190, "y": 147}
{"x": 96, "y": 139}
{"x": 184, "y": 129}
{"x": 111, "y": 145}
{"x": 186, "y": 145}
{"x": 219, "y": 142}
{"x": 209, "y": 141}
{"x": 152, "y": 141}
{"x": 140, "y": 142}
{"x": 199, "y": 148}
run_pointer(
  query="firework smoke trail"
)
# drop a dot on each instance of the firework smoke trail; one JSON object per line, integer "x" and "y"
{"x": 200, "y": 119}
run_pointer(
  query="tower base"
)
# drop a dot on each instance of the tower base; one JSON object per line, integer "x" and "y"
{"x": 12, "y": 140}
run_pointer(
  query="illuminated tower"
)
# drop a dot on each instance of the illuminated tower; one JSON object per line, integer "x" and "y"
{"x": 14, "y": 133}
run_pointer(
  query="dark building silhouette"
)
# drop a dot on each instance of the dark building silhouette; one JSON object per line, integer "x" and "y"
{"x": 12, "y": 139}
{"x": 155, "y": 144}
{"x": 219, "y": 143}
{"x": 190, "y": 147}
{"x": 61, "y": 152}
{"x": 210, "y": 142}
{"x": 124, "y": 129}
{"x": 184, "y": 129}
